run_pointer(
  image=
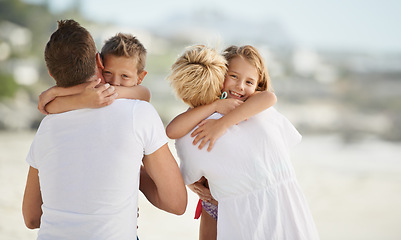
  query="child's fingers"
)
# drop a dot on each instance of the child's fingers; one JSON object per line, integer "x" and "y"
{"x": 104, "y": 87}
{"x": 199, "y": 129}
{"x": 203, "y": 192}
{"x": 203, "y": 143}
{"x": 198, "y": 137}
{"x": 196, "y": 132}
{"x": 100, "y": 88}
{"x": 41, "y": 109}
{"x": 110, "y": 99}
{"x": 211, "y": 143}
{"x": 109, "y": 91}
{"x": 204, "y": 195}
{"x": 201, "y": 188}
{"x": 203, "y": 122}
{"x": 94, "y": 83}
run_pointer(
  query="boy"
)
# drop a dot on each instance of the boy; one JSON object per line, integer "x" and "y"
{"x": 89, "y": 163}
{"x": 123, "y": 67}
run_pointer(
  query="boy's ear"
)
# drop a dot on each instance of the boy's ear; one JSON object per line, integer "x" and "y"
{"x": 141, "y": 76}
{"x": 99, "y": 61}
{"x": 99, "y": 68}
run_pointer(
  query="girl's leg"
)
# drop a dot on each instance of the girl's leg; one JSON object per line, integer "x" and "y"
{"x": 207, "y": 227}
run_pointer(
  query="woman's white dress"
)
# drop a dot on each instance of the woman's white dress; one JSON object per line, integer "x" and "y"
{"x": 251, "y": 176}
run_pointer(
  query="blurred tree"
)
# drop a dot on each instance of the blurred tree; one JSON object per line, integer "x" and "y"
{"x": 8, "y": 86}
{"x": 34, "y": 17}
{"x": 38, "y": 22}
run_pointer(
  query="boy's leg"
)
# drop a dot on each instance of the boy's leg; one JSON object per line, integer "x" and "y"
{"x": 207, "y": 227}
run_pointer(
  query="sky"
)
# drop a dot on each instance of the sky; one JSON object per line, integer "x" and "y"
{"x": 370, "y": 25}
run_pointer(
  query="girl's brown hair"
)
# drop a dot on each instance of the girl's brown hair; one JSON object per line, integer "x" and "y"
{"x": 252, "y": 55}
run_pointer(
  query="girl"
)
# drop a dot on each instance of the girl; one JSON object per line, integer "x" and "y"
{"x": 249, "y": 179}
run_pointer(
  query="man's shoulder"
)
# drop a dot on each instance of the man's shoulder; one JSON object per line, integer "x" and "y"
{"x": 138, "y": 108}
{"x": 132, "y": 102}
{"x": 131, "y": 107}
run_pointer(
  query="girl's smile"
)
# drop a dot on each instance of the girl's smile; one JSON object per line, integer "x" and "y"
{"x": 241, "y": 79}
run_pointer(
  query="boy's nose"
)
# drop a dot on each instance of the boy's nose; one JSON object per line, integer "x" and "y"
{"x": 114, "y": 81}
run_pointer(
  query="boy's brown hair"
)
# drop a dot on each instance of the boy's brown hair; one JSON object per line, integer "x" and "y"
{"x": 70, "y": 54}
{"x": 252, "y": 55}
{"x": 126, "y": 45}
{"x": 197, "y": 76}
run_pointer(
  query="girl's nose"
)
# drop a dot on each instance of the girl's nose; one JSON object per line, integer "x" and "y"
{"x": 240, "y": 85}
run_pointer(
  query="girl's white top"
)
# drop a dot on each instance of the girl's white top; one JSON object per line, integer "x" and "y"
{"x": 251, "y": 176}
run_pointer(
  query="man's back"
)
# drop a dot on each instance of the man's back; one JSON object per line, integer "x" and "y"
{"x": 89, "y": 162}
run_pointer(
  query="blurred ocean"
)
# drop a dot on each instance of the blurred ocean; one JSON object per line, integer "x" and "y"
{"x": 353, "y": 190}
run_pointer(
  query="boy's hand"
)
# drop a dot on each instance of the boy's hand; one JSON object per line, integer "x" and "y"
{"x": 225, "y": 106}
{"x": 45, "y": 97}
{"x": 209, "y": 130}
{"x": 97, "y": 95}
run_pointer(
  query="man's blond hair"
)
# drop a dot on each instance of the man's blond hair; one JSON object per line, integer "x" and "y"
{"x": 198, "y": 75}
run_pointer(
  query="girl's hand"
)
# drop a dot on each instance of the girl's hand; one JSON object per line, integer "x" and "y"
{"x": 201, "y": 190}
{"x": 97, "y": 95}
{"x": 225, "y": 106}
{"x": 209, "y": 130}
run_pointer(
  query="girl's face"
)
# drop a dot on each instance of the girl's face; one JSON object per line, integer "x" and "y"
{"x": 241, "y": 79}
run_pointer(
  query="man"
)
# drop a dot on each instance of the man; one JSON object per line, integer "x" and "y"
{"x": 85, "y": 164}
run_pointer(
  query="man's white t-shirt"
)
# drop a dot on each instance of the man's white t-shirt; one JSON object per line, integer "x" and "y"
{"x": 89, "y": 162}
{"x": 250, "y": 174}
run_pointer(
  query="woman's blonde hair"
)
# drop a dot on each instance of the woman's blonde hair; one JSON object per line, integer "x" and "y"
{"x": 252, "y": 55}
{"x": 198, "y": 75}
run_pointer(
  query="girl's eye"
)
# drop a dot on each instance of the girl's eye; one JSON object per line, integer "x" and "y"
{"x": 124, "y": 76}
{"x": 107, "y": 73}
{"x": 234, "y": 76}
{"x": 249, "y": 82}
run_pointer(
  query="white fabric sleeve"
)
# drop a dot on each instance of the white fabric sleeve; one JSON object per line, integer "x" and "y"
{"x": 290, "y": 134}
{"x": 189, "y": 171}
{"x": 148, "y": 127}
{"x": 30, "y": 159}
{"x": 191, "y": 159}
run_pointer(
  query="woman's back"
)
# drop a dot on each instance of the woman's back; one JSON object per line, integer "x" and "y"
{"x": 251, "y": 176}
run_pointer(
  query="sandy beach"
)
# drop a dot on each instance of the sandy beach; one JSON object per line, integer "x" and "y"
{"x": 353, "y": 190}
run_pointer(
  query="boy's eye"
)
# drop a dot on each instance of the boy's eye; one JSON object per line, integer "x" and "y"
{"x": 249, "y": 82}
{"x": 107, "y": 73}
{"x": 233, "y": 76}
{"x": 124, "y": 76}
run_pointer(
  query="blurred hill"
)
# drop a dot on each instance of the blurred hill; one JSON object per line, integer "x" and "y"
{"x": 355, "y": 94}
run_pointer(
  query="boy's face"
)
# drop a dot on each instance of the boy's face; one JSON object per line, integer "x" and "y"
{"x": 241, "y": 79}
{"x": 121, "y": 71}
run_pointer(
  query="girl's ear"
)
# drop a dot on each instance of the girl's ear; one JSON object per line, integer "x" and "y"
{"x": 99, "y": 61}
{"x": 141, "y": 76}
